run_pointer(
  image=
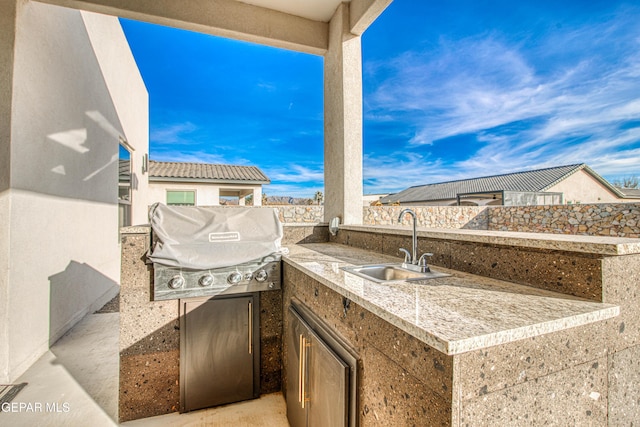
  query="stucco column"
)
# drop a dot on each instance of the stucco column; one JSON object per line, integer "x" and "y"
{"x": 8, "y": 12}
{"x": 343, "y": 122}
{"x": 8, "y": 9}
{"x": 257, "y": 196}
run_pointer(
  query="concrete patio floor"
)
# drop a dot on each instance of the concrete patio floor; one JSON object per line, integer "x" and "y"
{"x": 75, "y": 383}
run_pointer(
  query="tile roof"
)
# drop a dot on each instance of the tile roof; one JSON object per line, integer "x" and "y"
{"x": 633, "y": 193}
{"x": 529, "y": 181}
{"x": 205, "y": 172}
{"x": 124, "y": 173}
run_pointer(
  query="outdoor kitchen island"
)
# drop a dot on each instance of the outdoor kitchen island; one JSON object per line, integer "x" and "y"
{"x": 459, "y": 350}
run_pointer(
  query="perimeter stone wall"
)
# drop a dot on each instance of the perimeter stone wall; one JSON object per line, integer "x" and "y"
{"x": 300, "y": 213}
{"x": 610, "y": 219}
{"x": 606, "y": 219}
{"x": 469, "y": 217}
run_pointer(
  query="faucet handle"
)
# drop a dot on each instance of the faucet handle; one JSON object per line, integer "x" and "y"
{"x": 407, "y": 255}
{"x": 422, "y": 262}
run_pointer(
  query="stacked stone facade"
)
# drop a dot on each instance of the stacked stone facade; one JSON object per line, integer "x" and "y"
{"x": 470, "y": 217}
{"x": 618, "y": 220}
{"x": 607, "y": 219}
{"x": 301, "y": 214}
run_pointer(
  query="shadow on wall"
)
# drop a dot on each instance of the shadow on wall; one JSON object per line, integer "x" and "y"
{"x": 74, "y": 292}
{"x": 83, "y": 162}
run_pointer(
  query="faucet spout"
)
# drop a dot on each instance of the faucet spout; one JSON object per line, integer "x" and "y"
{"x": 414, "y": 253}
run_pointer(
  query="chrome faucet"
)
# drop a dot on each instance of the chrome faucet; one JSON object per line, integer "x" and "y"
{"x": 411, "y": 260}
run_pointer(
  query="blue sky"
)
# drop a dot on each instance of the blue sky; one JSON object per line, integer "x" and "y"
{"x": 452, "y": 90}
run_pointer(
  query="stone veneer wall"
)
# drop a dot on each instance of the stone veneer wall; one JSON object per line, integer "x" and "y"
{"x": 470, "y": 217}
{"x": 300, "y": 214}
{"x": 607, "y": 219}
{"x": 611, "y": 219}
{"x": 599, "y": 361}
{"x": 150, "y": 337}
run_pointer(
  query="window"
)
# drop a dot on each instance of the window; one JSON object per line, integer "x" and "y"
{"x": 179, "y": 197}
{"x": 124, "y": 183}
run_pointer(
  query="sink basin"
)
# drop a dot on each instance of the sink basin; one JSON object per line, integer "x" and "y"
{"x": 385, "y": 273}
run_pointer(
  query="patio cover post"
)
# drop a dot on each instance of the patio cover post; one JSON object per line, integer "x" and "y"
{"x": 343, "y": 121}
{"x": 8, "y": 12}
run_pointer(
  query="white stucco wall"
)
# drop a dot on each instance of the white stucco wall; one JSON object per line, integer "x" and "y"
{"x": 130, "y": 99}
{"x": 206, "y": 194}
{"x": 4, "y": 283}
{"x": 63, "y": 238}
{"x": 7, "y": 39}
{"x": 581, "y": 187}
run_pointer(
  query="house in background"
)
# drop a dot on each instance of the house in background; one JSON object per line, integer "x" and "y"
{"x": 369, "y": 199}
{"x": 557, "y": 185}
{"x": 194, "y": 184}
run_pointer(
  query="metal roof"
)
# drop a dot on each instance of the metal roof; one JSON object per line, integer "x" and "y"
{"x": 528, "y": 181}
{"x": 199, "y": 172}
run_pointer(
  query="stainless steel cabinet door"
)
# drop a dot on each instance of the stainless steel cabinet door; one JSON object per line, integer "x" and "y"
{"x": 328, "y": 386}
{"x": 218, "y": 352}
{"x": 317, "y": 379}
{"x": 296, "y": 412}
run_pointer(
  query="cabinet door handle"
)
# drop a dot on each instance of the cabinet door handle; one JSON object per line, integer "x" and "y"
{"x": 304, "y": 369}
{"x": 300, "y": 377}
{"x": 250, "y": 328}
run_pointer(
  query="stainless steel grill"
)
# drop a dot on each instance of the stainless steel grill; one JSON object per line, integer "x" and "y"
{"x": 176, "y": 283}
{"x": 201, "y": 256}
{"x": 200, "y": 252}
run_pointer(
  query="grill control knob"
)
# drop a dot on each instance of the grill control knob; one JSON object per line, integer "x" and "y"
{"x": 176, "y": 282}
{"x": 206, "y": 280}
{"x": 234, "y": 278}
{"x": 261, "y": 275}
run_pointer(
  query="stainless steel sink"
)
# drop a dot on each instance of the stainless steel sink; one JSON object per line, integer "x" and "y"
{"x": 385, "y": 273}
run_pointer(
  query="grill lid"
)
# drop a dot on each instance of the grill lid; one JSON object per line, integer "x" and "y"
{"x": 202, "y": 238}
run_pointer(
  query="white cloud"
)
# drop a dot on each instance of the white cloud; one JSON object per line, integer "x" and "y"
{"x": 173, "y": 134}
{"x": 570, "y": 112}
{"x": 390, "y": 173}
{"x": 291, "y": 190}
{"x": 294, "y": 173}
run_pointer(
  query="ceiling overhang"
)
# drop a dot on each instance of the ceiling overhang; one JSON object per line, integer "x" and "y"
{"x": 300, "y": 25}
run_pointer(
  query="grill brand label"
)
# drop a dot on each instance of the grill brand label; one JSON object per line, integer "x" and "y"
{"x": 229, "y": 236}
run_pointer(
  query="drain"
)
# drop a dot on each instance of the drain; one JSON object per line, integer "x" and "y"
{"x": 9, "y": 392}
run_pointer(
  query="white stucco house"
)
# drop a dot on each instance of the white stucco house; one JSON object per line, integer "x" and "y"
{"x": 570, "y": 184}
{"x": 193, "y": 184}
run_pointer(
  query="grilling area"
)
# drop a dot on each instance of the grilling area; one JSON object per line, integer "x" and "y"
{"x": 485, "y": 337}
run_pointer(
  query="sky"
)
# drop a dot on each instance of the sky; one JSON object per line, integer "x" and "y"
{"x": 451, "y": 90}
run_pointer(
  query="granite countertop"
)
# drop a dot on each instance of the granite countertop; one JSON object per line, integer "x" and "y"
{"x": 454, "y": 314}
